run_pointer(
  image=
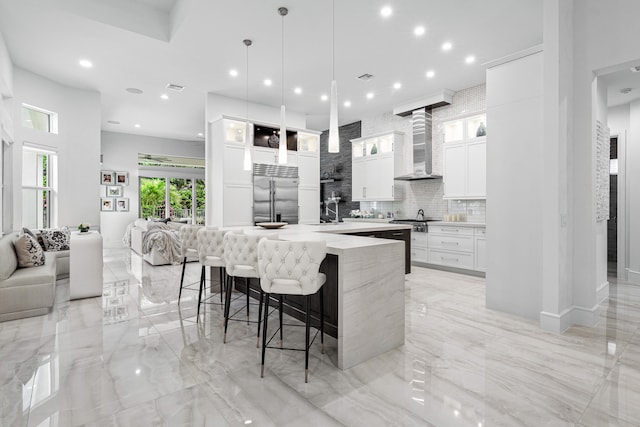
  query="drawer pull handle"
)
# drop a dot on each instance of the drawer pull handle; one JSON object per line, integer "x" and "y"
{"x": 449, "y": 243}
{"x": 449, "y": 259}
{"x": 397, "y": 234}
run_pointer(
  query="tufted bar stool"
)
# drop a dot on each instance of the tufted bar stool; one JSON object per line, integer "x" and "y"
{"x": 241, "y": 260}
{"x": 292, "y": 268}
{"x": 189, "y": 241}
{"x": 211, "y": 254}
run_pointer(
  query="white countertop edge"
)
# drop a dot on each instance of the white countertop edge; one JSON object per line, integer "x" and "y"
{"x": 459, "y": 224}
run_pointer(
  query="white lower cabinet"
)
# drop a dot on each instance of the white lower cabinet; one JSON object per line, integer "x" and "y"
{"x": 419, "y": 247}
{"x": 459, "y": 247}
{"x": 480, "y": 249}
{"x": 309, "y": 202}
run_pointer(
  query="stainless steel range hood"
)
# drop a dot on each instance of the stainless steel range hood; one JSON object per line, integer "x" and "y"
{"x": 422, "y": 140}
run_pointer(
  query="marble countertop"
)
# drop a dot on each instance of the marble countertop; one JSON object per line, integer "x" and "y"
{"x": 336, "y": 234}
{"x": 459, "y": 224}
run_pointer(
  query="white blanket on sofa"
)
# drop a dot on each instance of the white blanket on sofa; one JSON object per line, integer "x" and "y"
{"x": 165, "y": 240}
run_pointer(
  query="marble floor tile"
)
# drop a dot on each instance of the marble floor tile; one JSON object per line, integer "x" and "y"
{"x": 138, "y": 356}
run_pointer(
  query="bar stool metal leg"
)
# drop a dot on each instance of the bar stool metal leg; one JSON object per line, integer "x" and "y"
{"x": 306, "y": 347}
{"x": 280, "y": 314}
{"x": 260, "y": 316}
{"x": 202, "y": 281}
{"x": 322, "y": 320}
{"x": 264, "y": 334}
{"x": 227, "y": 306}
{"x": 184, "y": 265}
{"x": 248, "y": 282}
{"x": 221, "y": 282}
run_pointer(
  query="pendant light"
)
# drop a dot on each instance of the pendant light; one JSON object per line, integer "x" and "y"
{"x": 247, "y": 130}
{"x": 334, "y": 134}
{"x": 282, "y": 149}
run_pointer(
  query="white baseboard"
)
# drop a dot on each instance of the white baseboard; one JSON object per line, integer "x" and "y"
{"x": 633, "y": 276}
{"x": 558, "y": 323}
{"x": 602, "y": 293}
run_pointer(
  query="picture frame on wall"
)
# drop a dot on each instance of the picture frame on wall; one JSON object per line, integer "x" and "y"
{"x": 107, "y": 177}
{"x": 122, "y": 204}
{"x": 113, "y": 191}
{"x": 121, "y": 178}
{"x": 107, "y": 204}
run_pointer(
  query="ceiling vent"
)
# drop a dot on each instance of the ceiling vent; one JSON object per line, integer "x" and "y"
{"x": 365, "y": 77}
{"x": 175, "y": 87}
{"x": 626, "y": 91}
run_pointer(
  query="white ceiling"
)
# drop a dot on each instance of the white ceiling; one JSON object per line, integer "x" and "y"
{"x": 148, "y": 43}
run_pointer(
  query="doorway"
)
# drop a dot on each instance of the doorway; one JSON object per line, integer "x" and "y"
{"x": 612, "y": 225}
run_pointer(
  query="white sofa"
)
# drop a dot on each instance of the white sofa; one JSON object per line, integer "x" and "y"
{"x": 138, "y": 231}
{"x": 25, "y": 292}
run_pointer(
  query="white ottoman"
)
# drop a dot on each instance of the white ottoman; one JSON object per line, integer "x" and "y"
{"x": 85, "y": 265}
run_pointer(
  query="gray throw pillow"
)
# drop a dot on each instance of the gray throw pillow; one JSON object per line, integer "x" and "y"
{"x": 38, "y": 238}
{"x": 29, "y": 251}
{"x": 56, "y": 240}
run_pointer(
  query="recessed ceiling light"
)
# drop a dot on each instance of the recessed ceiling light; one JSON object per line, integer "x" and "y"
{"x": 419, "y": 30}
{"x": 113, "y": 122}
{"x": 386, "y": 12}
{"x": 298, "y": 90}
{"x": 397, "y": 85}
{"x": 268, "y": 82}
{"x": 324, "y": 97}
{"x": 137, "y": 125}
{"x": 233, "y": 73}
{"x": 164, "y": 96}
{"x": 370, "y": 95}
{"x": 446, "y": 46}
{"x": 470, "y": 59}
{"x": 85, "y": 63}
{"x": 430, "y": 74}
{"x": 134, "y": 90}
{"x": 200, "y": 134}
{"x": 347, "y": 103}
{"x": 176, "y": 87}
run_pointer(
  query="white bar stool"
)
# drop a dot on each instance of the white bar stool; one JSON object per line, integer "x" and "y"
{"x": 211, "y": 254}
{"x": 292, "y": 268}
{"x": 189, "y": 242}
{"x": 241, "y": 260}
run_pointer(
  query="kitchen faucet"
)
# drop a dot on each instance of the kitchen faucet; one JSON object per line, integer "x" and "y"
{"x": 335, "y": 200}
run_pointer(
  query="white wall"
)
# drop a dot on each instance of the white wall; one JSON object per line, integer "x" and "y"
{"x": 6, "y": 123}
{"x": 120, "y": 153}
{"x": 514, "y": 173}
{"x": 77, "y": 144}
{"x": 6, "y": 70}
{"x": 618, "y": 118}
{"x": 633, "y": 185}
{"x": 218, "y": 105}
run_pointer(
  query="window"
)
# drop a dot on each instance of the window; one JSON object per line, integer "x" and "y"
{"x": 37, "y": 172}
{"x": 186, "y": 199}
{"x": 39, "y": 119}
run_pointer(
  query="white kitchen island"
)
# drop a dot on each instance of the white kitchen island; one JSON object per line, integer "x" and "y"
{"x": 370, "y": 285}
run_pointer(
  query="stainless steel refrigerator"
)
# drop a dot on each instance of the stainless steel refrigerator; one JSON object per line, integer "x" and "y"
{"x": 275, "y": 193}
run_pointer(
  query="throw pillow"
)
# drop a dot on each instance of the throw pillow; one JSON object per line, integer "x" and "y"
{"x": 38, "y": 238}
{"x": 29, "y": 251}
{"x": 56, "y": 240}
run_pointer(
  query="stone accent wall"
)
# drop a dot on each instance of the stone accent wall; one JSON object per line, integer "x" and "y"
{"x": 338, "y": 166}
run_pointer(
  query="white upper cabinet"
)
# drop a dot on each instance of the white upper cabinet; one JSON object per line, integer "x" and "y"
{"x": 465, "y": 159}
{"x": 375, "y": 161}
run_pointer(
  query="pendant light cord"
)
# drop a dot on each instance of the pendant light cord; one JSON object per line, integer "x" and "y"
{"x": 282, "y": 103}
{"x": 247, "y": 86}
{"x": 333, "y": 40}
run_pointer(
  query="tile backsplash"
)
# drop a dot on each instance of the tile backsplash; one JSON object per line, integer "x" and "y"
{"x": 427, "y": 194}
